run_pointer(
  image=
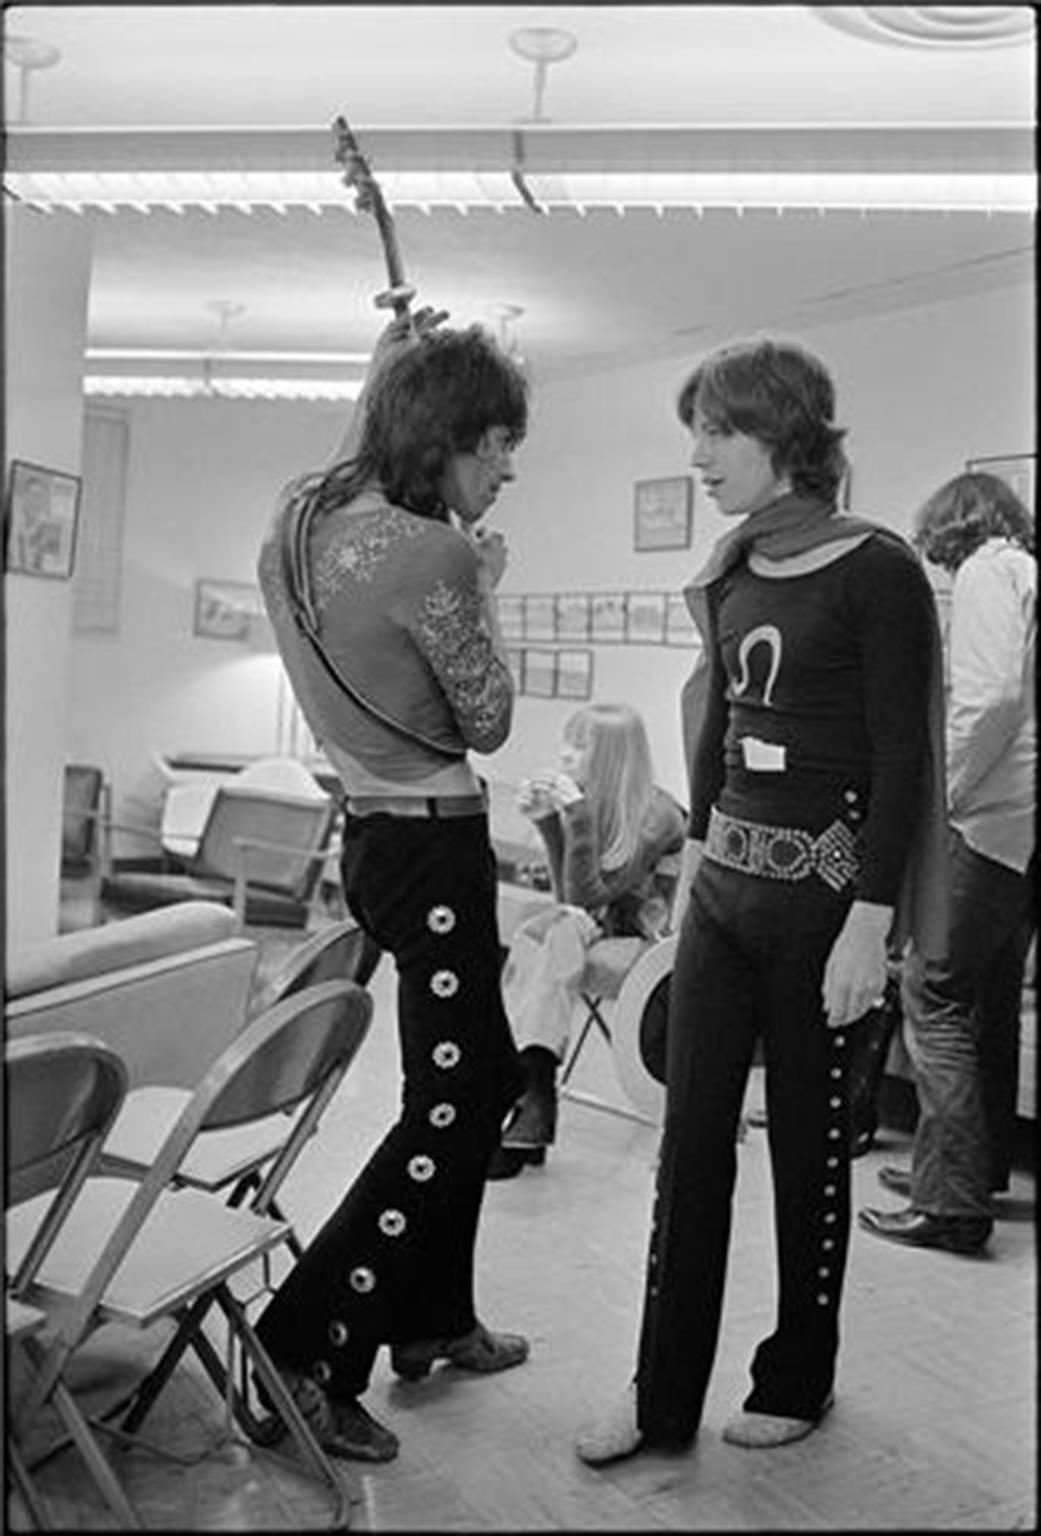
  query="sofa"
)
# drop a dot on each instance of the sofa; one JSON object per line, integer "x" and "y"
{"x": 167, "y": 989}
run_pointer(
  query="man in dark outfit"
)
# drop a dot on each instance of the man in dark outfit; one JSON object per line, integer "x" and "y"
{"x": 816, "y": 763}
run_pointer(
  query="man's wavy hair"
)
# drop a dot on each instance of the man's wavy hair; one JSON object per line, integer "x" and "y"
{"x": 966, "y": 512}
{"x": 783, "y": 396}
{"x": 434, "y": 399}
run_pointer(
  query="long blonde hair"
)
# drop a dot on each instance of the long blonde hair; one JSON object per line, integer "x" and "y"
{"x": 619, "y": 777}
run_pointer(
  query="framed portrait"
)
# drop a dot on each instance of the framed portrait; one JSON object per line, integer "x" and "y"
{"x": 225, "y": 610}
{"x": 645, "y": 618}
{"x": 1018, "y": 470}
{"x": 42, "y": 517}
{"x": 662, "y": 513}
{"x": 680, "y": 628}
{"x": 540, "y": 617}
{"x": 540, "y": 671}
{"x": 574, "y": 674}
{"x": 607, "y": 618}
{"x": 572, "y": 616}
{"x": 511, "y": 616}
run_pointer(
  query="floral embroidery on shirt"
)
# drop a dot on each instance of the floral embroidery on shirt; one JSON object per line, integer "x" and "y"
{"x": 460, "y": 650}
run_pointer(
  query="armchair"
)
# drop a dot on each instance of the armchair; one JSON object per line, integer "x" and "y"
{"x": 261, "y": 852}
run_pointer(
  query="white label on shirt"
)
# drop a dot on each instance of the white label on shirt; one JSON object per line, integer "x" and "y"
{"x": 763, "y": 756}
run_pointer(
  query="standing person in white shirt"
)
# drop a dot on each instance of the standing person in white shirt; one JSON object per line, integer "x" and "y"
{"x": 963, "y": 1012}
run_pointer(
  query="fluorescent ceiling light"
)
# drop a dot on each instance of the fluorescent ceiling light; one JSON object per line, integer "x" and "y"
{"x": 948, "y": 191}
{"x": 226, "y": 355}
{"x": 199, "y": 387}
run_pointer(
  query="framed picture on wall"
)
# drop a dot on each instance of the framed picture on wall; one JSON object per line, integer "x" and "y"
{"x": 680, "y": 628}
{"x": 539, "y": 673}
{"x": 574, "y": 674}
{"x": 511, "y": 616}
{"x": 572, "y": 616}
{"x": 1017, "y": 470}
{"x": 540, "y": 617}
{"x": 224, "y": 610}
{"x": 607, "y": 617}
{"x": 662, "y": 513}
{"x": 42, "y": 516}
{"x": 645, "y": 618}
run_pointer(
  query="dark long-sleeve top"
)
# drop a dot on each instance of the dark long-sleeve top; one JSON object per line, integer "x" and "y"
{"x": 400, "y": 614}
{"x": 634, "y": 899}
{"x": 828, "y": 674}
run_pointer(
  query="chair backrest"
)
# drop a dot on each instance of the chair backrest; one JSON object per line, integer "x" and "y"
{"x": 285, "y": 774}
{"x": 301, "y": 1046}
{"x": 64, "y": 1091}
{"x": 298, "y": 828}
{"x": 340, "y": 952}
{"x": 81, "y": 807}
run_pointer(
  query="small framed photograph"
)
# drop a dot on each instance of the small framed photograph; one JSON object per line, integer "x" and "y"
{"x": 574, "y": 674}
{"x": 540, "y": 617}
{"x": 224, "y": 610}
{"x": 607, "y": 618}
{"x": 42, "y": 518}
{"x": 680, "y": 628}
{"x": 573, "y": 616}
{"x": 663, "y": 513}
{"x": 511, "y": 616}
{"x": 645, "y": 618}
{"x": 1016, "y": 469}
{"x": 539, "y": 673}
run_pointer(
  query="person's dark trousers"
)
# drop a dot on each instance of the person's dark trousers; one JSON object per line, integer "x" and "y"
{"x": 394, "y": 1262}
{"x": 749, "y": 962}
{"x": 951, "y": 1007}
{"x": 1000, "y": 1011}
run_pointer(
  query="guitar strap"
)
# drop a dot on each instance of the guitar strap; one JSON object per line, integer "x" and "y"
{"x": 295, "y": 530}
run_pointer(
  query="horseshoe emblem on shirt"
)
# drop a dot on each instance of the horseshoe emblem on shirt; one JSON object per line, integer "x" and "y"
{"x": 763, "y": 634}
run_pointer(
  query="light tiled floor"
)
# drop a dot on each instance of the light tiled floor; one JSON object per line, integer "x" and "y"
{"x": 934, "y": 1425}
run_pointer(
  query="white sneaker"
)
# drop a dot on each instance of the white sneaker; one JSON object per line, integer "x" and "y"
{"x": 613, "y": 1434}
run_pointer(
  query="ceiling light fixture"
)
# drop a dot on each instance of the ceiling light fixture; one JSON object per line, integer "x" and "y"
{"x": 215, "y": 386}
{"x": 542, "y": 46}
{"x": 982, "y": 168}
{"x": 27, "y": 54}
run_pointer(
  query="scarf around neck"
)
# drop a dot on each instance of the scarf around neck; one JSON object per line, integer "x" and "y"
{"x": 790, "y": 526}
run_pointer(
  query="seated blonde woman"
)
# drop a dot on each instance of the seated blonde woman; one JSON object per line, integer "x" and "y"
{"x": 606, "y": 826}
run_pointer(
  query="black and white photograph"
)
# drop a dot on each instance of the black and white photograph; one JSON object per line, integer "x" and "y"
{"x": 520, "y": 941}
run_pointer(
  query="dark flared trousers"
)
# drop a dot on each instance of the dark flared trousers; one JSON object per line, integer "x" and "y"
{"x": 394, "y": 1262}
{"x": 749, "y": 965}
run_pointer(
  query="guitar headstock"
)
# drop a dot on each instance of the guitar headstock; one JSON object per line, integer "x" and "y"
{"x": 356, "y": 171}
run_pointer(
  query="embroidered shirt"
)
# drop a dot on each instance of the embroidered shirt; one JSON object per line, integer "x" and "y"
{"x": 818, "y": 691}
{"x": 991, "y": 719}
{"x": 400, "y": 615}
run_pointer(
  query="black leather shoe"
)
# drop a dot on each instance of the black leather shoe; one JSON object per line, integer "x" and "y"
{"x": 533, "y": 1123}
{"x": 896, "y": 1179}
{"x": 479, "y": 1350}
{"x": 507, "y": 1162}
{"x": 918, "y": 1229}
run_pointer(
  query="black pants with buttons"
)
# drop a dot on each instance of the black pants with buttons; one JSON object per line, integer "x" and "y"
{"x": 394, "y": 1262}
{"x": 749, "y": 964}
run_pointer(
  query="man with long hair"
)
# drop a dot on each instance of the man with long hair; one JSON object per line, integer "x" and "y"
{"x": 963, "y": 1009}
{"x": 384, "y": 609}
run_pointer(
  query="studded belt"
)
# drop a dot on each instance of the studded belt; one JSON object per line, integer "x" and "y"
{"x": 784, "y": 853}
{"x": 434, "y": 806}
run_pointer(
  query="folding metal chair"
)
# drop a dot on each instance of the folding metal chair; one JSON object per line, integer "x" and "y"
{"x": 138, "y": 1253}
{"x": 63, "y": 1092}
{"x": 240, "y": 1161}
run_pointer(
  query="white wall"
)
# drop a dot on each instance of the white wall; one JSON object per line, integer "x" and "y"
{"x": 47, "y": 272}
{"x": 202, "y": 478}
{"x": 921, "y": 391}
